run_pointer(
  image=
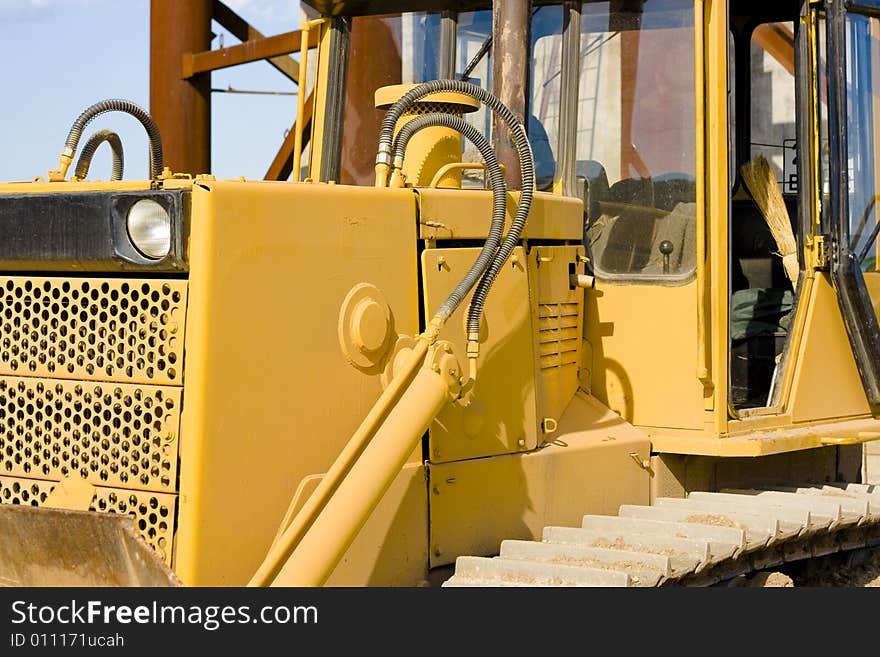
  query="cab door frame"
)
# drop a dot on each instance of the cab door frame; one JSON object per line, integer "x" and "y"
{"x": 852, "y": 293}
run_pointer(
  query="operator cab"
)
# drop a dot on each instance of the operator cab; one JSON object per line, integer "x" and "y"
{"x": 619, "y": 114}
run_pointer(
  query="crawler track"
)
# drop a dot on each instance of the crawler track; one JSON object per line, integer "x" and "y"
{"x": 699, "y": 541}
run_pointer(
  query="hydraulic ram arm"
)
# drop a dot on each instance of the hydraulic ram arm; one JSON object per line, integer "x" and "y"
{"x": 323, "y": 544}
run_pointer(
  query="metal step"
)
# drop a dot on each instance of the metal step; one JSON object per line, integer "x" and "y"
{"x": 843, "y": 511}
{"x": 701, "y": 532}
{"x": 645, "y": 569}
{"x": 760, "y": 528}
{"x": 795, "y": 520}
{"x": 513, "y": 572}
{"x": 684, "y": 555}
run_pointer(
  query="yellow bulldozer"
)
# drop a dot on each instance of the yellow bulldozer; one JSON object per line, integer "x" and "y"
{"x": 608, "y": 320}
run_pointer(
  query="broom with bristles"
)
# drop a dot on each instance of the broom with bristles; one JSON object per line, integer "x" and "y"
{"x": 761, "y": 181}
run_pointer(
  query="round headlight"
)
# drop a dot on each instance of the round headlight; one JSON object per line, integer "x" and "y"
{"x": 149, "y": 229}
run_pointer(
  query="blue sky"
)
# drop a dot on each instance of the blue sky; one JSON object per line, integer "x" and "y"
{"x": 60, "y": 56}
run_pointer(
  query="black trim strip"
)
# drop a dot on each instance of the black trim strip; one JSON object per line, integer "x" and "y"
{"x": 85, "y": 231}
{"x": 340, "y": 36}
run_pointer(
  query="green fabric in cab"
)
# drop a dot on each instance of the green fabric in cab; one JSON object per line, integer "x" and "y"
{"x": 760, "y": 311}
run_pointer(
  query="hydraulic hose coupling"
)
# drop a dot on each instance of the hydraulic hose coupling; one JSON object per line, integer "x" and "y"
{"x": 383, "y": 165}
{"x": 442, "y": 361}
{"x": 473, "y": 354}
{"x": 64, "y": 162}
{"x": 432, "y": 330}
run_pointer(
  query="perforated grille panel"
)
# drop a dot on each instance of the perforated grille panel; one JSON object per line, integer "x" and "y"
{"x": 111, "y": 434}
{"x": 91, "y": 328}
{"x": 14, "y": 490}
{"x": 153, "y": 513}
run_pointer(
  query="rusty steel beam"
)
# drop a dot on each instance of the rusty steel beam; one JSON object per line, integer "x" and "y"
{"x": 181, "y": 107}
{"x": 778, "y": 41}
{"x": 244, "y": 31}
{"x": 511, "y": 40}
{"x": 195, "y": 63}
{"x": 282, "y": 165}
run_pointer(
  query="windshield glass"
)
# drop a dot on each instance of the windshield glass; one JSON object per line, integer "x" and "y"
{"x": 411, "y": 53}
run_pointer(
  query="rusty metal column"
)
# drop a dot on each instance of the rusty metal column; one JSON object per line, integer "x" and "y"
{"x": 181, "y": 107}
{"x": 511, "y": 45}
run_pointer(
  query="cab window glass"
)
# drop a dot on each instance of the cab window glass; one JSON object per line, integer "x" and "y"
{"x": 636, "y": 135}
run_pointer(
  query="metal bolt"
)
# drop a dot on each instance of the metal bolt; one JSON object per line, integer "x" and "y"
{"x": 521, "y": 442}
{"x": 437, "y": 552}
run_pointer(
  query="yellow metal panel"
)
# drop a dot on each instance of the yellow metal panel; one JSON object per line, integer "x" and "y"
{"x": 716, "y": 282}
{"x": 41, "y": 186}
{"x": 456, "y": 214}
{"x": 770, "y": 440}
{"x": 588, "y": 468}
{"x": 644, "y": 353}
{"x": 557, "y": 309}
{"x": 498, "y": 415}
{"x": 269, "y": 397}
{"x": 103, "y": 329}
{"x": 112, "y": 434}
{"x": 872, "y": 282}
{"x": 825, "y": 356}
{"x": 315, "y": 148}
{"x": 675, "y": 475}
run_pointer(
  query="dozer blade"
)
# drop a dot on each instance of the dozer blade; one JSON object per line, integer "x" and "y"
{"x": 59, "y": 547}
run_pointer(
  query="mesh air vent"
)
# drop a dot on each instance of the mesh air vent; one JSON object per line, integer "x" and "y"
{"x": 86, "y": 328}
{"x": 111, "y": 434}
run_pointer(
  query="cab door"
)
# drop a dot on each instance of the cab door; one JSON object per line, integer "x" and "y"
{"x": 853, "y": 182}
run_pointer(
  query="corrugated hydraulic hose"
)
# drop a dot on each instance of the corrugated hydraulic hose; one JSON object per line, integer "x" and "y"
{"x": 527, "y": 169}
{"x": 88, "y": 152}
{"x": 499, "y": 196}
{"x": 120, "y": 105}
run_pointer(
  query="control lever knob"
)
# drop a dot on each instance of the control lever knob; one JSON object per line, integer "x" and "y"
{"x": 666, "y": 248}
